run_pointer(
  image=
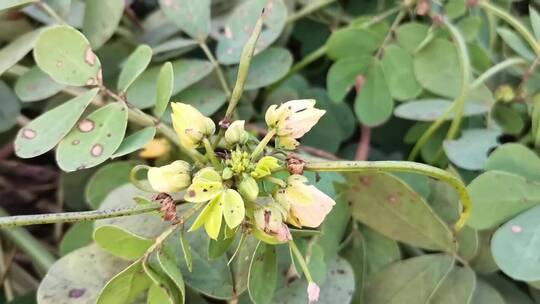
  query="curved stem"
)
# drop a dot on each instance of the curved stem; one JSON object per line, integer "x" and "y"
{"x": 496, "y": 69}
{"x": 301, "y": 260}
{"x": 137, "y": 182}
{"x": 49, "y": 11}
{"x": 69, "y": 217}
{"x": 515, "y": 23}
{"x": 401, "y": 166}
{"x": 219, "y": 70}
{"x": 262, "y": 144}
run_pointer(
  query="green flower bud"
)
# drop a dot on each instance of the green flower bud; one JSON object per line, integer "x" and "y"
{"x": 236, "y": 134}
{"x": 265, "y": 166}
{"x": 174, "y": 177}
{"x": 227, "y": 173}
{"x": 248, "y": 188}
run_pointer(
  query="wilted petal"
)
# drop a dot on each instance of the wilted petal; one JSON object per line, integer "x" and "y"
{"x": 313, "y": 291}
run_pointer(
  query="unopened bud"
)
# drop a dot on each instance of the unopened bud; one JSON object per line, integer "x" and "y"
{"x": 248, "y": 188}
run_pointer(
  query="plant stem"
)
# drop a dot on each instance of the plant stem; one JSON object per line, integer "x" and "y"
{"x": 210, "y": 153}
{"x": 308, "y": 10}
{"x": 401, "y": 166}
{"x": 262, "y": 144}
{"x": 217, "y": 66}
{"x": 28, "y": 244}
{"x": 243, "y": 71}
{"x": 515, "y": 23}
{"x": 492, "y": 71}
{"x": 392, "y": 29}
{"x": 68, "y": 217}
{"x": 49, "y": 11}
{"x": 136, "y": 182}
{"x": 301, "y": 260}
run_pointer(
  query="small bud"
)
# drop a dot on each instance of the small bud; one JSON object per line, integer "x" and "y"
{"x": 248, "y": 188}
{"x": 265, "y": 166}
{"x": 190, "y": 125}
{"x": 227, "y": 173}
{"x": 505, "y": 93}
{"x": 236, "y": 134}
{"x": 174, "y": 177}
{"x": 423, "y": 7}
{"x": 313, "y": 291}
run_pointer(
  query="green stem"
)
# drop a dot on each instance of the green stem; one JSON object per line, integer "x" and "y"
{"x": 28, "y": 244}
{"x": 401, "y": 166}
{"x": 262, "y": 144}
{"x": 243, "y": 71}
{"x": 217, "y": 66}
{"x": 308, "y": 10}
{"x": 68, "y": 217}
{"x": 515, "y": 23}
{"x": 210, "y": 153}
{"x": 137, "y": 182}
{"x": 49, "y": 11}
{"x": 301, "y": 260}
{"x": 465, "y": 67}
{"x": 389, "y": 35}
{"x": 496, "y": 69}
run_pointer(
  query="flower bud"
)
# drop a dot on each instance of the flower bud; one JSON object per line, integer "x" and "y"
{"x": 236, "y": 134}
{"x": 190, "y": 125}
{"x": 269, "y": 219}
{"x": 313, "y": 291}
{"x": 265, "y": 166}
{"x": 174, "y": 177}
{"x": 248, "y": 188}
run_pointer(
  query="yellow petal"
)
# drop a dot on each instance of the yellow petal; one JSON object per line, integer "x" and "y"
{"x": 212, "y": 225}
{"x": 206, "y": 185}
{"x": 265, "y": 166}
{"x": 190, "y": 125}
{"x": 157, "y": 147}
{"x": 233, "y": 208}
{"x": 174, "y": 177}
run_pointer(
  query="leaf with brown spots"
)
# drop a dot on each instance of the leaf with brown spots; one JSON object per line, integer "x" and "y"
{"x": 44, "y": 132}
{"x": 98, "y": 136}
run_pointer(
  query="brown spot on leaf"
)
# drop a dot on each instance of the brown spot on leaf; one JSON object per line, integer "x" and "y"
{"x": 75, "y": 142}
{"x": 29, "y": 133}
{"x": 392, "y": 199}
{"x": 96, "y": 150}
{"x": 76, "y": 292}
{"x": 86, "y": 125}
{"x": 89, "y": 57}
{"x": 365, "y": 180}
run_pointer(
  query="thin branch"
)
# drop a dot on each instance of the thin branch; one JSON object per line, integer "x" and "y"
{"x": 308, "y": 10}
{"x": 217, "y": 66}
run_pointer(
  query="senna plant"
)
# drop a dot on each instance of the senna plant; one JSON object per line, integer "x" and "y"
{"x": 208, "y": 206}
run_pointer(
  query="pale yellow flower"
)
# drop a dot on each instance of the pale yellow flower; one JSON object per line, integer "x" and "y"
{"x": 291, "y": 120}
{"x": 190, "y": 125}
{"x": 156, "y": 148}
{"x": 174, "y": 177}
{"x": 236, "y": 134}
{"x": 306, "y": 205}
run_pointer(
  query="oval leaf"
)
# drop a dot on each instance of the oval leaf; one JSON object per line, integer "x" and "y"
{"x": 192, "y": 17}
{"x": 164, "y": 88}
{"x": 262, "y": 280}
{"x": 135, "y": 141}
{"x": 35, "y": 85}
{"x": 399, "y": 73}
{"x": 10, "y": 109}
{"x": 120, "y": 242}
{"x": 373, "y": 104}
{"x": 134, "y": 65}
{"x": 101, "y": 19}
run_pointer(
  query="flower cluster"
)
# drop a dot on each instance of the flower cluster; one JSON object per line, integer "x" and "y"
{"x": 246, "y": 186}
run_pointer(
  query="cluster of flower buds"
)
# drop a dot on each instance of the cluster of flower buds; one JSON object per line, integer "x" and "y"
{"x": 246, "y": 189}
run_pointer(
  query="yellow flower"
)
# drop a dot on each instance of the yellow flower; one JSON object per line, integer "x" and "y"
{"x": 174, "y": 177}
{"x": 236, "y": 134}
{"x": 291, "y": 120}
{"x": 269, "y": 219}
{"x": 265, "y": 166}
{"x": 156, "y": 148}
{"x": 190, "y": 125}
{"x": 306, "y": 205}
{"x": 224, "y": 203}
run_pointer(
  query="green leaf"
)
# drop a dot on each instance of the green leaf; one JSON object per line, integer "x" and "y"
{"x": 515, "y": 158}
{"x": 373, "y": 105}
{"x": 334, "y": 226}
{"x": 206, "y": 100}
{"x": 470, "y": 151}
{"x": 169, "y": 263}
{"x": 266, "y": 68}
{"x": 397, "y": 64}
{"x": 456, "y": 288}
{"x": 155, "y": 271}
{"x": 347, "y": 43}
{"x": 389, "y": 206}
{"x": 356, "y": 255}
{"x": 515, "y": 246}
{"x": 337, "y": 288}
{"x": 95, "y": 139}
{"x": 164, "y": 89}
{"x": 485, "y": 293}
{"x": 78, "y": 277}
{"x": 135, "y": 141}
{"x": 17, "y": 49}
{"x": 239, "y": 27}
{"x": 468, "y": 243}
{"x": 186, "y": 250}
{"x": 120, "y": 242}
{"x": 192, "y": 17}
{"x": 210, "y": 277}
{"x": 65, "y": 54}
{"x": 437, "y": 68}
{"x": 44, "y": 132}
{"x": 263, "y": 274}
{"x": 10, "y": 109}
{"x": 142, "y": 93}
{"x": 157, "y": 295}
{"x": 508, "y": 119}
{"x": 431, "y": 109}
{"x": 35, "y": 85}
{"x": 101, "y": 18}
{"x": 380, "y": 251}
{"x": 498, "y": 196}
{"x": 516, "y": 43}
{"x": 469, "y": 27}
{"x": 77, "y": 236}
{"x": 148, "y": 225}
{"x": 217, "y": 248}
{"x": 409, "y": 35}
{"x": 125, "y": 286}
{"x": 409, "y": 281}
{"x": 14, "y": 3}
{"x": 343, "y": 74}
{"x": 483, "y": 262}
{"x": 455, "y": 8}
{"x": 511, "y": 292}
{"x": 105, "y": 180}
{"x": 241, "y": 263}
{"x": 535, "y": 22}
{"x": 134, "y": 65}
